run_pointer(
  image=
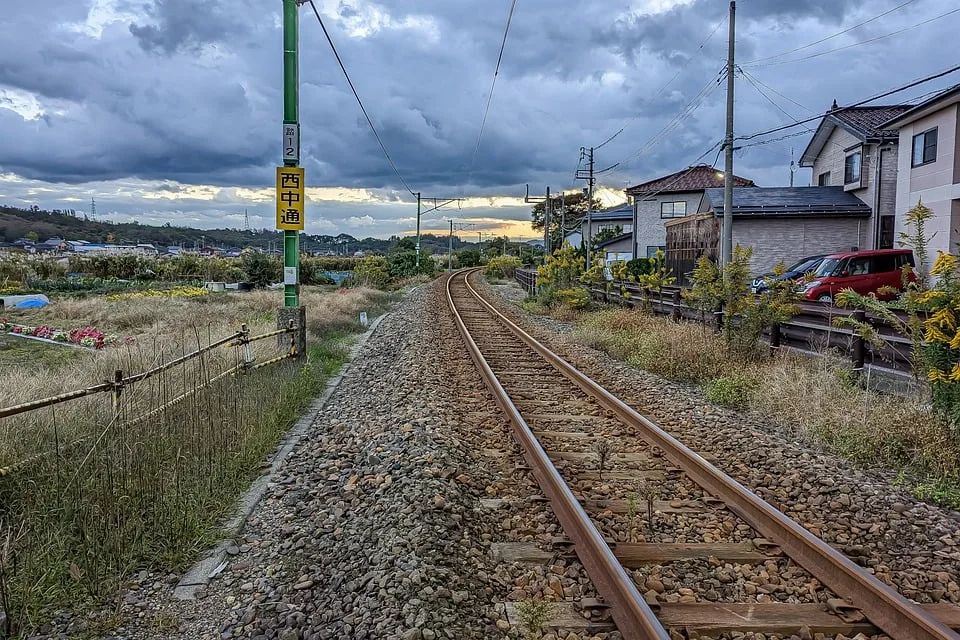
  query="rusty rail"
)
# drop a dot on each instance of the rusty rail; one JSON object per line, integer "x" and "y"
{"x": 632, "y": 614}
{"x": 883, "y": 606}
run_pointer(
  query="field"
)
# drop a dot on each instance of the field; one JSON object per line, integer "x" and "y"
{"x": 94, "y": 488}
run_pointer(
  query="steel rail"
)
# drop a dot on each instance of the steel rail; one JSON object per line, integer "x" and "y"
{"x": 634, "y": 618}
{"x": 891, "y": 612}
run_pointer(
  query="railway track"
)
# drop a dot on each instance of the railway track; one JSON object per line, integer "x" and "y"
{"x": 563, "y": 420}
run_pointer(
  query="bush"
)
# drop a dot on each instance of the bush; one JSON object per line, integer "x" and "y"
{"x": 731, "y": 391}
{"x": 372, "y": 272}
{"x": 502, "y": 267}
{"x": 260, "y": 269}
{"x": 468, "y": 258}
{"x": 576, "y": 298}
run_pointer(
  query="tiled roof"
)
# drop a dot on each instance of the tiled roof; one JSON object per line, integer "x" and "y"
{"x": 789, "y": 201}
{"x": 921, "y": 108}
{"x": 866, "y": 121}
{"x": 696, "y": 178}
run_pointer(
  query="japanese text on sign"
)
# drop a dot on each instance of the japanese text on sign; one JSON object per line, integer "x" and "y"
{"x": 290, "y": 198}
{"x": 291, "y": 141}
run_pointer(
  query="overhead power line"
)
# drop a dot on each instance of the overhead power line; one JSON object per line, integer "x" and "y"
{"x": 830, "y": 37}
{"x": 660, "y": 91}
{"x": 856, "y": 104}
{"x": 496, "y": 72}
{"x": 855, "y": 44}
{"x": 359, "y": 101}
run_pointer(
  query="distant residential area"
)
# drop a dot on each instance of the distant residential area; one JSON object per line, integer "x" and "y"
{"x": 870, "y": 165}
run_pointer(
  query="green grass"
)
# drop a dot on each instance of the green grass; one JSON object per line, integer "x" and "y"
{"x": 23, "y": 352}
{"x": 150, "y": 495}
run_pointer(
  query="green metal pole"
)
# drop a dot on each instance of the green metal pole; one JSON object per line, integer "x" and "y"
{"x": 291, "y": 115}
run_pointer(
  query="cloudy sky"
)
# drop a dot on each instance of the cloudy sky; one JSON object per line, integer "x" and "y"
{"x": 170, "y": 110}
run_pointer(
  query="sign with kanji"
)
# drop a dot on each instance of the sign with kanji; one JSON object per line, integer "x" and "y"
{"x": 291, "y": 141}
{"x": 290, "y": 198}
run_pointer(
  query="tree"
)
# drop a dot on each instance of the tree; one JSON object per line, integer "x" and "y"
{"x": 603, "y": 235}
{"x": 32, "y": 235}
{"x": 575, "y": 206}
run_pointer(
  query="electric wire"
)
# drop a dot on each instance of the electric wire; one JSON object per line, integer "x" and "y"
{"x": 493, "y": 84}
{"x": 359, "y": 101}
{"x": 855, "y": 44}
{"x": 856, "y": 104}
{"x": 830, "y": 37}
{"x": 660, "y": 91}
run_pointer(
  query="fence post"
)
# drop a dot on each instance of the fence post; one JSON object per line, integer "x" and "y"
{"x": 859, "y": 350}
{"x": 718, "y": 318}
{"x": 774, "y": 338}
{"x": 245, "y": 341}
{"x": 675, "y": 314}
{"x": 295, "y": 317}
{"x": 117, "y": 391}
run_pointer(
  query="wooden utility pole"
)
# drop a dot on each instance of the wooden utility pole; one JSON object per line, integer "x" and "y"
{"x": 726, "y": 243}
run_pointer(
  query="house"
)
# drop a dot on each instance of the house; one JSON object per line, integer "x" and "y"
{"x": 666, "y": 198}
{"x": 929, "y": 166}
{"x": 779, "y": 223}
{"x": 612, "y": 219}
{"x": 616, "y": 248}
{"x": 856, "y": 148}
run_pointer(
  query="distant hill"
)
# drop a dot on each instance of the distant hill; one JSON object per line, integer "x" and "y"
{"x": 16, "y": 223}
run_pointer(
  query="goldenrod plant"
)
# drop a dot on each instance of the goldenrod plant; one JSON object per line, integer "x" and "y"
{"x": 502, "y": 267}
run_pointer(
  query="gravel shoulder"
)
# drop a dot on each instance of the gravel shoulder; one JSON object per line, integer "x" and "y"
{"x": 913, "y": 546}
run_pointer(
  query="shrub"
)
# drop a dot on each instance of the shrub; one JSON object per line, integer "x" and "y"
{"x": 731, "y": 391}
{"x": 576, "y": 298}
{"x": 372, "y": 272}
{"x": 468, "y": 258}
{"x": 260, "y": 268}
{"x": 502, "y": 267}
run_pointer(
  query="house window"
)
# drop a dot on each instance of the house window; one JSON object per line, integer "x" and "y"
{"x": 652, "y": 250}
{"x": 823, "y": 180}
{"x": 925, "y": 147}
{"x": 673, "y": 209}
{"x": 851, "y": 168}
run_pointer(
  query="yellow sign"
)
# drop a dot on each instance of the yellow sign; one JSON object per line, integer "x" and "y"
{"x": 290, "y": 198}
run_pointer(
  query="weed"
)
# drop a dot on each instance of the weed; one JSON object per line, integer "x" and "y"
{"x": 731, "y": 391}
{"x": 603, "y": 448}
{"x": 532, "y": 615}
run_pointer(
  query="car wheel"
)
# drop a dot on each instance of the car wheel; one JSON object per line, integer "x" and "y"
{"x": 825, "y": 298}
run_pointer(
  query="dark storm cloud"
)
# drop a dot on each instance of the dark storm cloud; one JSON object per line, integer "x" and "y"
{"x": 190, "y": 90}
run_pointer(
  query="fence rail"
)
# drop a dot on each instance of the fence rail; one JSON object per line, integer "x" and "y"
{"x": 811, "y": 330}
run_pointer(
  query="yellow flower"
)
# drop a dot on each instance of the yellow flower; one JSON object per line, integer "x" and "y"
{"x": 955, "y": 372}
{"x": 936, "y": 375}
{"x": 945, "y": 264}
{"x": 936, "y": 335}
{"x": 943, "y": 318}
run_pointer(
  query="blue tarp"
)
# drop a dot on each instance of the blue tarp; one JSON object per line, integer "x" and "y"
{"x": 31, "y": 304}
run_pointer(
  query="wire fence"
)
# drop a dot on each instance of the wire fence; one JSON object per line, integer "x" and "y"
{"x": 131, "y": 471}
{"x": 240, "y": 341}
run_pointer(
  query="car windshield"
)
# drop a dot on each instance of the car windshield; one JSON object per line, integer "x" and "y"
{"x": 806, "y": 265}
{"x": 828, "y": 267}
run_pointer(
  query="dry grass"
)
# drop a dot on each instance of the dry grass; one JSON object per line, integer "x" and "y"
{"x": 819, "y": 398}
{"x": 93, "y": 494}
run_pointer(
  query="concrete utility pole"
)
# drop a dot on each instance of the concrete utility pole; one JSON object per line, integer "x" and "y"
{"x": 563, "y": 218}
{"x": 418, "y": 231}
{"x": 588, "y": 175}
{"x": 726, "y": 243}
{"x": 546, "y": 226}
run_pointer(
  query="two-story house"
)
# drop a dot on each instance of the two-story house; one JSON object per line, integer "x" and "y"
{"x": 677, "y": 195}
{"x": 929, "y": 166}
{"x": 855, "y": 148}
{"x": 620, "y": 217}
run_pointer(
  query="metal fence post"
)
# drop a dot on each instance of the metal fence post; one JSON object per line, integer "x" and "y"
{"x": 675, "y": 313}
{"x": 245, "y": 341}
{"x": 774, "y": 338}
{"x": 859, "y": 350}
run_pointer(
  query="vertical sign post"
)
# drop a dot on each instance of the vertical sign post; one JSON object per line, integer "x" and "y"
{"x": 290, "y": 179}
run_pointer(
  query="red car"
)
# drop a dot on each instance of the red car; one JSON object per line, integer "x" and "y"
{"x": 863, "y": 271}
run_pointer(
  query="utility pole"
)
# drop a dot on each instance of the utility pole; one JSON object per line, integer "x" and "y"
{"x": 563, "y": 218}
{"x": 418, "y": 231}
{"x": 450, "y": 249}
{"x": 290, "y": 187}
{"x": 588, "y": 176}
{"x": 546, "y": 226}
{"x": 726, "y": 245}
